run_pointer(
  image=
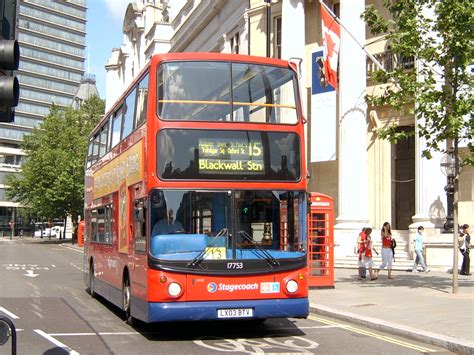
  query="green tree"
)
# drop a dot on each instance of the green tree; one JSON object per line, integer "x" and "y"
{"x": 51, "y": 181}
{"x": 439, "y": 36}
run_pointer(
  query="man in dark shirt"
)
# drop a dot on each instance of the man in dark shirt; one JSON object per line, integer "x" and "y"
{"x": 167, "y": 225}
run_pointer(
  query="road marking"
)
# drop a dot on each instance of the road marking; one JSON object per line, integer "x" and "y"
{"x": 72, "y": 248}
{"x": 310, "y": 327}
{"x": 373, "y": 335}
{"x": 8, "y": 313}
{"x": 56, "y": 342}
{"x": 292, "y": 344}
{"x": 24, "y": 267}
{"x": 99, "y": 333}
{"x": 30, "y": 273}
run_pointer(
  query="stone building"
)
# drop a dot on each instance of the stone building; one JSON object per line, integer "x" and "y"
{"x": 51, "y": 35}
{"x": 371, "y": 180}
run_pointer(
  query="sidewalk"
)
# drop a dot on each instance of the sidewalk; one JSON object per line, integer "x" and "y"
{"x": 418, "y": 306}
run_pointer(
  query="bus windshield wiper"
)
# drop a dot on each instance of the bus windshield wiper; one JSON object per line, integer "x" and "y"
{"x": 224, "y": 232}
{"x": 259, "y": 251}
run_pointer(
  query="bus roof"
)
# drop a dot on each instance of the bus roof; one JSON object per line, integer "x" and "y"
{"x": 219, "y": 57}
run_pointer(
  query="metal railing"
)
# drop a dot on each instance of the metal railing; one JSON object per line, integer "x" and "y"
{"x": 390, "y": 61}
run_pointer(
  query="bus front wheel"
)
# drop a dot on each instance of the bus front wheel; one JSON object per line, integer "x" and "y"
{"x": 126, "y": 298}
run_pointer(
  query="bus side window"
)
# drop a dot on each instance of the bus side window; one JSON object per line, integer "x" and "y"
{"x": 128, "y": 113}
{"x": 89, "y": 152}
{"x": 93, "y": 233}
{"x": 139, "y": 225}
{"x": 101, "y": 224}
{"x": 141, "y": 102}
{"x": 95, "y": 149}
{"x": 104, "y": 132}
{"x": 116, "y": 128}
{"x": 108, "y": 224}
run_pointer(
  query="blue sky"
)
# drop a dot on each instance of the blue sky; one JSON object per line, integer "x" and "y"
{"x": 104, "y": 32}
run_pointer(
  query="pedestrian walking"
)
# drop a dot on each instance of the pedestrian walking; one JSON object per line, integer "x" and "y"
{"x": 387, "y": 252}
{"x": 360, "y": 246}
{"x": 465, "y": 247}
{"x": 365, "y": 254}
{"x": 419, "y": 243}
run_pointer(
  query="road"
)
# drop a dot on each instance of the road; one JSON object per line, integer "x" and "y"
{"x": 43, "y": 292}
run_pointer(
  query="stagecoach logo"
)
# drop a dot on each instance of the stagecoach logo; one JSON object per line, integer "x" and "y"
{"x": 211, "y": 287}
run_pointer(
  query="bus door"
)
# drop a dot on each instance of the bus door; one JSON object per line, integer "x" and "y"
{"x": 138, "y": 241}
{"x": 321, "y": 241}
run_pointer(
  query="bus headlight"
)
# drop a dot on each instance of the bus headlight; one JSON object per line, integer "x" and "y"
{"x": 292, "y": 286}
{"x": 174, "y": 289}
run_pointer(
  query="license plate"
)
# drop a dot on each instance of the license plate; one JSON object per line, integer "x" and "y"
{"x": 235, "y": 313}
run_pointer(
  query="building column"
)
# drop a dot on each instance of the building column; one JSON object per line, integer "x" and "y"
{"x": 293, "y": 38}
{"x": 352, "y": 155}
{"x": 430, "y": 199}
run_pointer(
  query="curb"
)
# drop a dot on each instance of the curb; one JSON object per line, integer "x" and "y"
{"x": 459, "y": 346}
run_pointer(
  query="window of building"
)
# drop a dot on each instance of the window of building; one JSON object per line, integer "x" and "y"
{"x": 10, "y": 160}
{"x": 51, "y": 44}
{"x": 235, "y": 43}
{"x": 52, "y": 58}
{"x": 35, "y": 94}
{"x": 277, "y": 42}
{"x": 58, "y": 20}
{"x": 336, "y": 8}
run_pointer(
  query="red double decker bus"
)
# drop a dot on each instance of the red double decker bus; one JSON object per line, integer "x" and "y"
{"x": 195, "y": 201}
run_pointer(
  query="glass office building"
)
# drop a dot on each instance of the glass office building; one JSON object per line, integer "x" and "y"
{"x": 52, "y": 38}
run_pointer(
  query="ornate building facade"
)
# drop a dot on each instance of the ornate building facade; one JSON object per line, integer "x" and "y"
{"x": 371, "y": 180}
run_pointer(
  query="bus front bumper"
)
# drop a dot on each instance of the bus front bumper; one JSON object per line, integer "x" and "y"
{"x": 198, "y": 311}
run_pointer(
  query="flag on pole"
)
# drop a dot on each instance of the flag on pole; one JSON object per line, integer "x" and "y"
{"x": 331, "y": 43}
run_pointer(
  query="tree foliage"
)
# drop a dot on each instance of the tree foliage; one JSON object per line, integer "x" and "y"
{"x": 439, "y": 35}
{"x": 51, "y": 181}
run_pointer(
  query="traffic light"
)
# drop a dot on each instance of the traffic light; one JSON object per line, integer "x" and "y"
{"x": 9, "y": 60}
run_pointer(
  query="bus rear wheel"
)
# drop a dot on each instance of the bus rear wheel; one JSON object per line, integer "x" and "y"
{"x": 91, "y": 281}
{"x": 126, "y": 301}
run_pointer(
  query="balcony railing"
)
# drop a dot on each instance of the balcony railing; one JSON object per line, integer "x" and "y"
{"x": 390, "y": 62}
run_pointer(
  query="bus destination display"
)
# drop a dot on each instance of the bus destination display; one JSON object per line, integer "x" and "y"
{"x": 224, "y": 156}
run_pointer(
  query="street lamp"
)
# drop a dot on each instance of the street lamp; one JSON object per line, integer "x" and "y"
{"x": 448, "y": 168}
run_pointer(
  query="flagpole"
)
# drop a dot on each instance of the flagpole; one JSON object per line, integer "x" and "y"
{"x": 333, "y": 15}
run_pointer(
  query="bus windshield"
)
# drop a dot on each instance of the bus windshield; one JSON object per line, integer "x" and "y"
{"x": 190, "y": 224}
{"x": 223, "y": 91}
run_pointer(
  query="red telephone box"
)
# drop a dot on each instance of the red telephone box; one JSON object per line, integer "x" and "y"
{"x": 321, "y": 241}
{"x": 80, "y": 234}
